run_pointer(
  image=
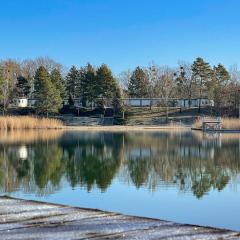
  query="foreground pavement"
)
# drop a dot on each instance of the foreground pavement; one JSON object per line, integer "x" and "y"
{"x": 21, "y": 219}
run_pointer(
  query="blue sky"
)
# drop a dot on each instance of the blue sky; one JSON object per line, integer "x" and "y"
{"x": 121, "y": 33}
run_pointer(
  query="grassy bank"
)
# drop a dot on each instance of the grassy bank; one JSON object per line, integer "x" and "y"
{"x": 227, "y": 124}
{"x": 26, "y": 122}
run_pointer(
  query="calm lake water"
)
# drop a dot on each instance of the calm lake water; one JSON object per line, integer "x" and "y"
{"x": 186, "y": 177}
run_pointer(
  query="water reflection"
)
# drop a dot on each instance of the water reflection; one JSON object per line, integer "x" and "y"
{"x": 42, "y": 162}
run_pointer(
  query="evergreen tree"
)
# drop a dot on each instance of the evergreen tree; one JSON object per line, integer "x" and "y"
{"x": 220, "y": 80}
{"x": 88, "y": 84}
{"x": 48, "y": 98}
{"x": 58, "y": 82}
{"x": 106, "y": 84}
{"x": 138, "y": 84}
{"x": 72, "y": 82}
{"x": 117, "y": 102}
{"x": 202, "y": 74}
{"x": 23, "y": 87}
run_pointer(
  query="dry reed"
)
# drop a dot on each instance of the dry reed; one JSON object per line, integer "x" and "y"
{"x": 27, "y": 122}
{"x": 227, "y": 123}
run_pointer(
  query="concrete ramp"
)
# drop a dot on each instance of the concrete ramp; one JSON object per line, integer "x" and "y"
{"x": 21, "y": 219}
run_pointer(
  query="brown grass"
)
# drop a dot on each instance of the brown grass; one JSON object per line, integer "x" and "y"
{"x": 231, "y": 123}
{"x": 227, "y": 123}
{"x": 26, "y": 122}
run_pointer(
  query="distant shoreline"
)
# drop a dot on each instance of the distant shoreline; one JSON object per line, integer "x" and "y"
{"x": 123, "y": 128}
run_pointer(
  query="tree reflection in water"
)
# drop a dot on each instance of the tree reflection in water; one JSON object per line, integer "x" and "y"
{"x": 193, "y": 163}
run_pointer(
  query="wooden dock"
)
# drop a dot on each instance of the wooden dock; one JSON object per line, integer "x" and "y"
{"x": 21, "y": 219}
{"x": 214, "y": 124}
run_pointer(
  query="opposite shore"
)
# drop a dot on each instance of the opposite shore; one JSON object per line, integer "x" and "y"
{"x": 39, "y": 123}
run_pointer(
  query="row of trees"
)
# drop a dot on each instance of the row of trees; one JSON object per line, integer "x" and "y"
{"x": 49, "y": 83}
{"x": 196, "y": 80}
{"x": 18, "y": 79}
{"x": 90, "y": 84}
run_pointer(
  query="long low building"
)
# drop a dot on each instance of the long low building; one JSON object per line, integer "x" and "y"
{"x": 184, "y": 103}
{"x": 22, "y": 102}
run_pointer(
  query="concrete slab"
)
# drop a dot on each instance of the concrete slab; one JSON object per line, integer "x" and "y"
{"x": 22, "y": 219}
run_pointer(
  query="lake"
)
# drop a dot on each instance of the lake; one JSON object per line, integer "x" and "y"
{"x": 187, "y": 177}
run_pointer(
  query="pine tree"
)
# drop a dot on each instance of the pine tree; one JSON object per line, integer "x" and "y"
{"x": 138, "y": 84}
{"x": 23, "y": 87}
{"x": 106, "y": 84}
{"x": 220, "y": 80}
{"x": 117, "y": 102}
{"x": 88, "y": 84}
{"x": 48, "y": 98}
{"x": 202, "y": 74}
{"x": 58, "y": 82}
{"x": 72, "y": 82}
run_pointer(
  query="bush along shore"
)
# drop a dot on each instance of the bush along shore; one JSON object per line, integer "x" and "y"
{"x": 27, "y": 122}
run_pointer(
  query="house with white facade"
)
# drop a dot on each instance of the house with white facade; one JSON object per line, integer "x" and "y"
{"x": 20, "y": 102}
{"x": 186, "y": 103}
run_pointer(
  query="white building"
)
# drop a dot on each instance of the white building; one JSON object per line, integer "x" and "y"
{"x": 186, "y": 103}
{"x": 131, "y": 102}
{"x": 23, "y": 102}
{"x": 141, "y": 102}
{"x": 20, "y": 102}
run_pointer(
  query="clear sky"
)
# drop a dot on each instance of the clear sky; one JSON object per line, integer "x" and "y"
{"x": 121, "y": 33}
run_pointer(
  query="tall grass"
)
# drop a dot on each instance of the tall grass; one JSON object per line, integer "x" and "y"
{"x": 227, "y": 123}
{"x": 26, "y": 122}
{"x": 231, "y": 123}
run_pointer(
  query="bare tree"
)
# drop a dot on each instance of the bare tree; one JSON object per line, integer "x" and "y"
{"x": 186, "y": 87}
{"x": 29, "y": 68}
{"x": 124, "y": 79}
{"x": 234, "y": 88}
{"x": 9, "y": 71}
{"x": 164, "y": 84}
{"x": 48, "y": 63}
{"x": 152, "y": 72}
{"x": 167, "y": 82}
{"x": 234, "y": 72}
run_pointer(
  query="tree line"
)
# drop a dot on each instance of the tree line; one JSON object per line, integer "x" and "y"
{"x": 187, "y": 81}
{"x": 49, "y": 83}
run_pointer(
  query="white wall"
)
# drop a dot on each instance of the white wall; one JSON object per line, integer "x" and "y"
{"x": 21, "y": 102}
{"x": 194, "y": 103}
{"x": 138, "y": 102}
